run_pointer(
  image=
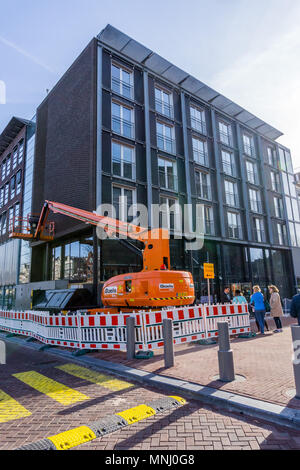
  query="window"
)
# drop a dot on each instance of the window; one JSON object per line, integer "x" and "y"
{"x": 258, "y": 231}
{"x": 165, "y": 137}
{"x": 19, "y": 181}
{"x": 10, "y": 218}
{"x": 251, "y": 170}
{"x": 21, "y": 152}
{"x": 169, "y": 213}
{"x": 228, "y": 163}
{"x": 225, "y": 133}
{"x": 167, "y": 173}
{"x": 248, "y": 145}
{"x": 255, "y": 200}
{"x": 231, "y": 193}
{"x": 278, "y": 205}
{"x": 15, "y": 157}
{"x": 200, "y": 151}
{"x": 164, "y": 102}
{"x": 293, "y": 234}
{"x": 209, "y": 226}
{"x": 8, "y": 165}
{"x": 17, "y": 211}
{"x": 280, "y": 233}
{"x": 3, "y": 223}
{"x": 275, "y": 185}
{"x": 3, "y": 172}
{"x": 198, "y": 122}
{"x": 282, "y": 160}
{"x": 234, "y": 228}
{"x": 123, "y": 199}
{"x": 203, "y": 188}
{"x": 2, "y": 196}
{"x": 122, "y": 81}
{"x": 270, "y": 154}
{"x": 289, "y": 163}
{"x": 122, "y": 120}
{"x": 123, "y": 160}
{"x": 6, "y": 190}
{"x": 13, "y": 187}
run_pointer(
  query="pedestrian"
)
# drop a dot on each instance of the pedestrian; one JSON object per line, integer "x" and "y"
{"x": 257, "y": 300}
{"x": 225, "y": 296}
{"x": 239, "y": 298}
{"x": 276, "y": 307}
{"x": 295, "y": 307}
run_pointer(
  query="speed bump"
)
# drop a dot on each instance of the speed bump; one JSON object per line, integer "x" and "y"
{"x": 68, "y": 439}
{"x": 133, "y": 415}
{"x": 106, "y": 425}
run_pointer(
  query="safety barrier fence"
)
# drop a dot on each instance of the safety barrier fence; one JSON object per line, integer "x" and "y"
{"x": 108, "y": 331}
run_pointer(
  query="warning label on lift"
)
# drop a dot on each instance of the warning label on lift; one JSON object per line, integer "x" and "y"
{"x": 111, "y": 290}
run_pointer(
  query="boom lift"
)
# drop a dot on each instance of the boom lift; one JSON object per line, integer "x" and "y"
{"x": 155, "y": 286}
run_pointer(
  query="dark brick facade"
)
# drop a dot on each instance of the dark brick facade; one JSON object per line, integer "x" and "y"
{"x": 66, "y": 141}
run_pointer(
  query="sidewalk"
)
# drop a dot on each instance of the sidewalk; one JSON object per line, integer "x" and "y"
{"x": 264, "y": 364}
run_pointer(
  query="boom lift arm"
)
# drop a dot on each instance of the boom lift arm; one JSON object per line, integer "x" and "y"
{"x": 156, "y": 241}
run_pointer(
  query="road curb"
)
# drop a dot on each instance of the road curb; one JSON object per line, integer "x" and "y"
{"x": 246, "y": 406}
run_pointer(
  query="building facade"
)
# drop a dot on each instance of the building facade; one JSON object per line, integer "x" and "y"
{"x": 125, "y": 126}
{"x": 15, "y": 147}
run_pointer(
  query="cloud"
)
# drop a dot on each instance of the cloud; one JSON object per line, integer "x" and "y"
{"x": 26, "y": 54}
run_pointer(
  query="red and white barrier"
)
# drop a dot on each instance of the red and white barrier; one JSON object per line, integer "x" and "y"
{"x": 104, "y": 331}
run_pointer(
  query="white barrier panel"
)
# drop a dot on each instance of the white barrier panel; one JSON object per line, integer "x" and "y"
{"x": 108, "y": 331}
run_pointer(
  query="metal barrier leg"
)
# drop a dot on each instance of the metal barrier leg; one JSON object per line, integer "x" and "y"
{"x": 296, "y": 359}
{"x": 130, "y": 330}
{"x": 168, "y": 342}
{"x": 2, "y": 353}
{"x": 225, "y": 354}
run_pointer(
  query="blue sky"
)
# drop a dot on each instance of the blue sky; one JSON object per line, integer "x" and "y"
{"x": 246, "y": 49}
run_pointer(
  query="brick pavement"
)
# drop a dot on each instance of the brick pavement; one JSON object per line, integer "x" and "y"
{"x": 190, "y": 427}
{"x": 265, "y": 362}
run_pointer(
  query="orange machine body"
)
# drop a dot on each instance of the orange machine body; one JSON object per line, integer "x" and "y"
{"x": 149, "y": 289}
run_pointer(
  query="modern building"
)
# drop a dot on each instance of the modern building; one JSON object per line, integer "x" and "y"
{"x": 124, "y": 122}
{"x": 16, "y": 159}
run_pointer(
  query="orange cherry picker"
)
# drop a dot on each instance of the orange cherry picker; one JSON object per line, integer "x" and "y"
{"x": 156, "y": 286}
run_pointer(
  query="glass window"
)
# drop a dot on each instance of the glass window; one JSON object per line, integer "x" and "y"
{"x": 167, "y": 173}
{"x": 3, "y": 170}
{"x": 200, "y": 153}
{"x": 288, "y": 160}
{"x": 6, "y": 191}
{"x": 251, "y": 170}
{"x": 56, "y": 263}
{"x": 275, "y": 184}
{"x": 209, "y": 220}
{"x": 258, "y": 266}
{"x": 248, "y": 145}
{"x": 225, "y": 133}
{"x": 285, "y": 183}
{"x": 295, "y": 206}
{"x": 1, "y": 196}
{"x": 169, "y": 214}
{"x": 198, "y": 122}
{"x": 165, "y": 137}
{"x": 122, "y": 81}
{"x": 15, "y": 157}
{"x": 255, "y": 200}
{"x": 123, "y": 160}
{"x": 203, "y": 187}
{"x": 123, "y": 199}
{"x": 13, "y": 187}
{"x": 234, "y": 225}
{"x": 270, "y": 154}
{"x": 164, "y": 102}
{"x": 231, "y": 194}
{"x": 19, "y": 181}
{"x": 4, "y": 223}
{"x": 293, "y": 234}
{"x": 8, "y": 165}
{"x": 293, "y": 192}
{"x": 122, "y": 120}
{"x": 282, "y": 160}
{"x": 278, "y": 205}
{"x": 259, "y": 233}
{"x": 228, "y": 163}
{"x": 21, "y": 152}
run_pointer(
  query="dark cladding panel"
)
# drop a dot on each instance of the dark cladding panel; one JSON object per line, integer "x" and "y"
{"x": 139, "y": 123}
{"x": 154, "y": 167}
{"x": 106, "y": 190}
{"x": 106, "y": 110}
{"x": 139, "y": 86}
{"x": 140, "y": 155}
{"x": 106, "y": 69}
{"x": 106, "y": 152}
{"x": 66, "y": 140}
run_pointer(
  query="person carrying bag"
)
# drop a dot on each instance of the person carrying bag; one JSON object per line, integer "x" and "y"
{"x": 276, "y": 308}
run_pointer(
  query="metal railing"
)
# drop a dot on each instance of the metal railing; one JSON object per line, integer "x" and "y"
{"x": 166, "y": 144}
{"x": 229, "y": 168}
{"x": 255, "y": 206}
{"x": 203, "y": 191}
{"x": 200, "y": 157}
{"x": 235, "y": 232}
{"x": 122, "y": 88}
{"x": 164, "y": 108}
{"x": 259, "y": 235}
{"x": 249, "y": 150}
{"x": 123, "y": 127}
{"x": 252, "y": 177}
{"x": 231, "y": 199}
{"x": 123, "y": 169}
{"x": 209, "y": 227}
{"x": 168, "y": 181}
{"x": 198, "y": 125}
{"x": 226, "y": 138}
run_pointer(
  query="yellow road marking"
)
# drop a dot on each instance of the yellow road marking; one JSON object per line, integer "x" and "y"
{"x": 105, "y": 381}
{"x": 10, "y": 409}
{"x": 68, "y": 439}
{"x": 51, "y": 388}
